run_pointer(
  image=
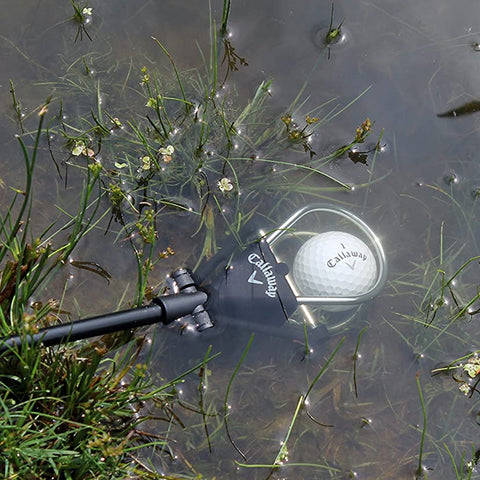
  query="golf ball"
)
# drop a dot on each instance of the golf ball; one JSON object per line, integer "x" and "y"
{"x": 334, "y": 264}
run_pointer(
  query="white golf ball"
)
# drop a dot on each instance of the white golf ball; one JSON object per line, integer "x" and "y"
{"x": 334, "y": 264}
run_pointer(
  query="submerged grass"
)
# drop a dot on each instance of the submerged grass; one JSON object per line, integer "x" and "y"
{"x": 67, "y": 412}
{"x": 187, "y": 145}
{"x": 282, "y": 458}
{"x": 437, "y": 323}
{"x": 444, "y": 293}
{"x": 421, "y": 471}
{"x": 74, "y": 412}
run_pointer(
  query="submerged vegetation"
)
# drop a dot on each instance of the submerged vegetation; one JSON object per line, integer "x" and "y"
{"x": 444, "y": 294}
{"x": 176, "y": 153}
{"x": 193, "y": 149}
{"x": 188, "y": 147}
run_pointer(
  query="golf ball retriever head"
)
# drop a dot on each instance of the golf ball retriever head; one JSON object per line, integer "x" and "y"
{"x": 322, "y": 258}
{"x": 251, "y": 289}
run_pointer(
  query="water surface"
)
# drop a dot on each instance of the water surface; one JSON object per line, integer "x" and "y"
{"x": 417, "y": 59}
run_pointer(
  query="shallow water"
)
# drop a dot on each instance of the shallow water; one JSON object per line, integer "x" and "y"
{"x": 418, "y": 60}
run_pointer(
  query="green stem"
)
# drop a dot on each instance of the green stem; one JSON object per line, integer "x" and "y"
{"x": 355, "y": 359}
{"x": 165, "y": 51}
{"x": 420, "y": 470}
{"x": 227, "y": 393}
{"x": 324, "y": 368}
{"x": 225, "y": 14}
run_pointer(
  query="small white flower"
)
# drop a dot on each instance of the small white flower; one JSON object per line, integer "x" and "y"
{"x": 79, "y": 148}
{"x": 225, "y": 185}
{"x": 146, "y": 163}
{"x": 167, "y": 150}
{"x": 87, "y": 11}
{"x": 151, "y": 103}
{"x": 166, "y": 153}
{"x": 464, "y": 388}
{"x": 472, "y": 367}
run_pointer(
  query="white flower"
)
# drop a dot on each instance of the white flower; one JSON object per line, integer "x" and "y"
{"x": 472, "y": 368}
{"x": 146, "y": 163}
{"x": 464, "y": 388}
{"x": 81, "y": 149}
{"x": 225, "y": 185}
{"x": 87, "y": 11}
{"x": 151, "y": 103}
{"x": 167, "y": 150}
{"x": 166, "y": 153}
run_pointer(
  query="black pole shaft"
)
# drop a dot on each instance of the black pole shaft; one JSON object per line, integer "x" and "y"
{"x": 162, "y": 309}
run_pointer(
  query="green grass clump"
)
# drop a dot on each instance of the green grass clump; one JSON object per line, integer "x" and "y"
{"x": 73, "y": 411}
{"x": 67, "y": 413}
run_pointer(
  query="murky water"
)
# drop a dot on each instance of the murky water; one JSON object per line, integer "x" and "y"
{"x": 417, "y": 60}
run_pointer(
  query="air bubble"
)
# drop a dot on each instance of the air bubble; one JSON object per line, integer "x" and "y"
{"x": 451, "y": 178}
{"x": 382, "y": 147}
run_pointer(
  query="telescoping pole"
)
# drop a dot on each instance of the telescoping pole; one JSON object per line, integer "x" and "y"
{"x": 163, "y": 309}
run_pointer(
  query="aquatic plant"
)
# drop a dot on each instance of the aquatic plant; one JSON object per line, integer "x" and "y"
{"x": 282, "y": 457}
{"x": 443, "y": 288}
{"x": 185, "y": 147}
{"x": 82, "y": 16}
{"x": 74, "y": 411}
{"x": 420, "y": 473}
{"x": 333, "y": 33}
{"x": 191, "y": 149}
{"x": 443, "y": 303}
